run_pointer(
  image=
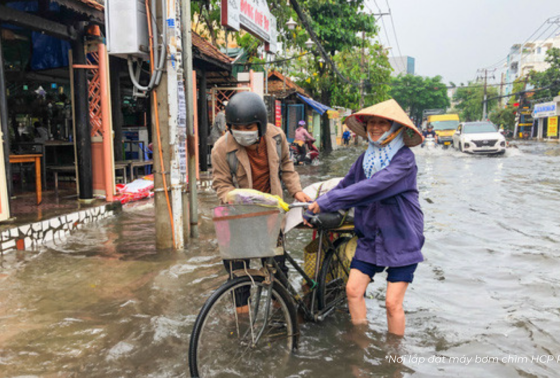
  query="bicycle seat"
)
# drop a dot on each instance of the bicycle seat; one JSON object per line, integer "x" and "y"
{"x": 325, "y": 221}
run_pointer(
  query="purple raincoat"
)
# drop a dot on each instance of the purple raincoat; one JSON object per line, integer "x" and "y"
{"x": 388, "y": 218}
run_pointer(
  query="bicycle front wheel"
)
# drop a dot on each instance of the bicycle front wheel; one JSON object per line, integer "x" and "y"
{"x": 332, "y": 281}
{"x": 237, "y": 334}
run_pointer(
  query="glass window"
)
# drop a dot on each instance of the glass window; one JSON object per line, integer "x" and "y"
{"x": 445, "y": 125}
{"x": 480, "y": 127}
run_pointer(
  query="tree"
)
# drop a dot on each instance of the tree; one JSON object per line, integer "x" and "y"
{"x": 549, "y": 77}
{"x": 469, "y": 101}
{"x": 375, "y": 75}
{"x": 503, "y": 117}
{"x": 336, "y": 23}
{"x": 416, "y": 93}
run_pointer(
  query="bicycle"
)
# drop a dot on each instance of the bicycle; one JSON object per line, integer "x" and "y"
{"x": 253, "y": 316}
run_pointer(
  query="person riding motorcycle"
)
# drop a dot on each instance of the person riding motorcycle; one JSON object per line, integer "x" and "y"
{"x": 430, "y": 133}
{"x": 302, "y": 137}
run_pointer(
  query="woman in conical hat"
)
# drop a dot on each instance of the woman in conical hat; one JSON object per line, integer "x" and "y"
{"x": 381, "y": 185}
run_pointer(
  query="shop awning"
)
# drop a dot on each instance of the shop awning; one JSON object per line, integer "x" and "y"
{"x": 317, "y": 106}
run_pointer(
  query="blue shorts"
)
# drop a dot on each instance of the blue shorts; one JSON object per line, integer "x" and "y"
{"x": 397, "y": 274}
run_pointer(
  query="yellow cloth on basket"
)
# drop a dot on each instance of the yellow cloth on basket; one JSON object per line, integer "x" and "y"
{"x": 254, "y": 197}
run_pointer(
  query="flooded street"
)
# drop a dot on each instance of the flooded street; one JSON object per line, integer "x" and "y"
{"x": 104, "y": 304}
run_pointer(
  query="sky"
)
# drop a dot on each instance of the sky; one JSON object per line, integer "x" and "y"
{"x": 455, "y": 38}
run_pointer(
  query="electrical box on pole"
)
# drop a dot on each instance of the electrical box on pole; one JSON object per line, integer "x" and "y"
{"x": 127, "y": 28}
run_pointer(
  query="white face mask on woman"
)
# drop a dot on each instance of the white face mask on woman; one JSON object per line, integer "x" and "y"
{"x": 245, "y": 138}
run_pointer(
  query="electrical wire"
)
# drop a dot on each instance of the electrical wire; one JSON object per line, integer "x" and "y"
{"x": 396, "y": 62}
{"x": 271, "y": 62}
{"x": 160, "y": 59}
{"x": 394, "y": 30}
{"x": 548, "y": 21}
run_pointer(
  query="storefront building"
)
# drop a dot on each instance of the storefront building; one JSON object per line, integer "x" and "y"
{"x": 545, "y": 116}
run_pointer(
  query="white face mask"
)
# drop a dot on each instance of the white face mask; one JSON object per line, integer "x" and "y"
{"x": 381, "y": 138}
{"x": 246, "y": 138}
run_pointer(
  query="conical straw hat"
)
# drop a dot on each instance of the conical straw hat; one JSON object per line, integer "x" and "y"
{"x": 390, "y": 110}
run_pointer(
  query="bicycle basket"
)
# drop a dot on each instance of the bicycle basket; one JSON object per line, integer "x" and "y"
{"x": 247, "y": 231}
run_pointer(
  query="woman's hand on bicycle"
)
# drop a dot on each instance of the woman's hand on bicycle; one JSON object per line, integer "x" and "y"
{"x": 311, "y": 210}
{"x": 314, "y": 207}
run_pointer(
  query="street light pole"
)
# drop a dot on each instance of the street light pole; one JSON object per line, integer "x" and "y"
{"x": 485, "y": 103}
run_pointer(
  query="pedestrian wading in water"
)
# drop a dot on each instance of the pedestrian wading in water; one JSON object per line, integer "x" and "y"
{"x": 381, "y": 186}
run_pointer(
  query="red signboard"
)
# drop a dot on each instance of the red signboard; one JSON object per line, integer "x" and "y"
{"x": 278, "y": 113}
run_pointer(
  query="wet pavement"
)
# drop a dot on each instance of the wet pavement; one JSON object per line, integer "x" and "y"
{"x": 483, "y": 304}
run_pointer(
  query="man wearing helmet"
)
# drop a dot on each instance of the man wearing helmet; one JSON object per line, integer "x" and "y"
{"x": 253, "y": 154}
{"x": 430, "y": 132}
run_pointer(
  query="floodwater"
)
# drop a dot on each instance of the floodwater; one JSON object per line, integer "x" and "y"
{"x": 483, "y": 304}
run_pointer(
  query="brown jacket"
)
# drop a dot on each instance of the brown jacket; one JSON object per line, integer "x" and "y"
{"x": 222, "y": 181}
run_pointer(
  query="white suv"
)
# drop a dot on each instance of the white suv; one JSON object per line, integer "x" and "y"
{"x": 479, "y": 138}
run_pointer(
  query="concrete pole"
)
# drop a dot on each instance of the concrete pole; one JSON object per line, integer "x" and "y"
{"x": 191, "y": 145}
{"x": 485, "y": 103}
{"x": 160, "y": 115}
{"x": 176, "y": 134}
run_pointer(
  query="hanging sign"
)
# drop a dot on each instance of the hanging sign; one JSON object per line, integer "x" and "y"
{"x": 252, "y": 16}
{"x": 278, "y": 113}
{"x": 552, "y": 130}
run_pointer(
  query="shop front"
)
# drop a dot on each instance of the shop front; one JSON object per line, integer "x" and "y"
{"x": 545, "y": 116}
{"x": 54, "y": 105}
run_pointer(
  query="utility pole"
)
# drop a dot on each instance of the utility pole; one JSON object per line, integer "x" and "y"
{"x": 362, "y": 69}
{"x": 362, "y": 79}
{"x": 167, "y": 178}
{"x": 189, "y": 98}
{"x": 502, "y": 89}
{"x": 485, "y": 103}
{"x": 177, "y": 130}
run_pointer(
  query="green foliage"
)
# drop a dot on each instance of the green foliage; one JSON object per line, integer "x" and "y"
{"x": 549, "y": 77}
{"x": 470, "y": 100}
{"x": 518, "y": 86}
{"x": 503, "y": 117}
{"x": 336, "y": 24}
{"x": 416, "y": 93}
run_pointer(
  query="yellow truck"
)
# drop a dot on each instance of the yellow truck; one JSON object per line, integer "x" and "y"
{"x": 444, "y": 126}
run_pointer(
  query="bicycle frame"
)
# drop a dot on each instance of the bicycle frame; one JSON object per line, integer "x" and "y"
{"x": 309, "y": 311}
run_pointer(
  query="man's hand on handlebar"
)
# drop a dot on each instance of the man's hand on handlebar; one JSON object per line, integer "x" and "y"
{"x": 302, "y": 197}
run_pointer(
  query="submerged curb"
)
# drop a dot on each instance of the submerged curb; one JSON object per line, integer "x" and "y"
{"x": 33, "y": 235}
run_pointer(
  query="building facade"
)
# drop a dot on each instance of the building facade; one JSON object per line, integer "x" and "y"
{"x": 402, "y": 65}
{"x": 524, "y": 58}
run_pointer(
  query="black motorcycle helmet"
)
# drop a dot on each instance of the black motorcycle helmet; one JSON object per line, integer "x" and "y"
{"x": 245, "y": 108}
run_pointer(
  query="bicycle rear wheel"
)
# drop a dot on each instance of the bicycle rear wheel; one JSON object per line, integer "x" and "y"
{"x": 227, "y": 343}
{"x": 332, "y": 280}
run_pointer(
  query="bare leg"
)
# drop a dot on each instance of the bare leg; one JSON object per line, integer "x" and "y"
{"x": 355, "y": 290}
{"x": 394, "y": 305}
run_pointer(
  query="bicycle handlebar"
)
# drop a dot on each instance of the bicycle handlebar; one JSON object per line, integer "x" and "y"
{"x": 303, "y": 205}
